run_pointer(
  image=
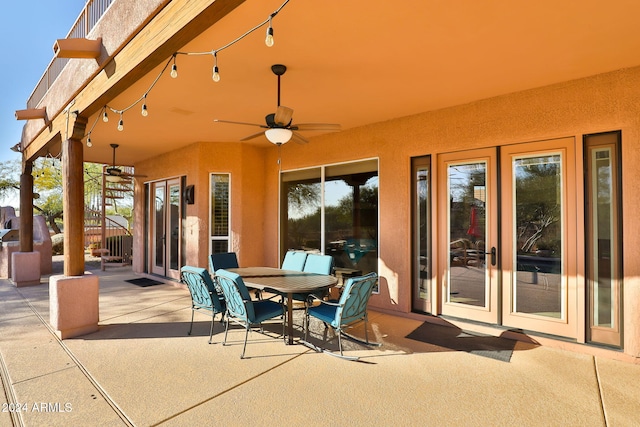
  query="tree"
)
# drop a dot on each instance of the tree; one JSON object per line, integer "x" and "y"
{"x": 9, "y": 181}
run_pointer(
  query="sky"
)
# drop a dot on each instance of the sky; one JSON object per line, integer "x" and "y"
{"x": 28, "y": 30}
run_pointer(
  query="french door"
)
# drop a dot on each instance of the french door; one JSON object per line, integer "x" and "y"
{"x": 165, "y": 230}
{"x": 539, "y": 237}
{"x": 507, "y": 236}
{"x": 467, "y": 209}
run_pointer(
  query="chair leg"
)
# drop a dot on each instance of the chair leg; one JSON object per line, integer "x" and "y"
{"x": 226, "y": 329}
{"x": 366, "y": 323}
{"x": 191, "y": 326}
{"x": 213, "y": 318}
{"x": 246, "y": 336}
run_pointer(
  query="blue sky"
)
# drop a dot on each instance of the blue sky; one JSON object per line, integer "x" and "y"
{"x": 28, "y": 30}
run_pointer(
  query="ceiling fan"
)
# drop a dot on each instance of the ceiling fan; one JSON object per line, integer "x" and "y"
{"x": 115, "y": 174}
{"x": 278, "y": 125}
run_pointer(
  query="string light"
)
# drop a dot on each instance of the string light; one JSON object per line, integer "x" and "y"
{"x": 145, "y": 112}
{"x": 174, "y": 68}
{"x": 269, "y": 41}
{"x": 216, "y": 75}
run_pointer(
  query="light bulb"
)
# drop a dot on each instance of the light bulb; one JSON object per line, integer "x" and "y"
{"x": 121, "y": 125}
{"x": 144, "y": 112}
{"x": 105, "y": 117}
{"x": 216, "y": 75}
{"x": 174, "y": 71}
{"x": 89, "y": 143}
{"x": 269, "y": 39}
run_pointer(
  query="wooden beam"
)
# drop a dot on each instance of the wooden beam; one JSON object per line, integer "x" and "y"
{"x": 31, "y": 114}
{"x": 78, "y": 48}
{"x": 175, "y": 25}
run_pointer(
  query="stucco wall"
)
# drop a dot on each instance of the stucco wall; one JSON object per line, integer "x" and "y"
{"x": 595, "y": 104}
{"x": 246, "y": 166}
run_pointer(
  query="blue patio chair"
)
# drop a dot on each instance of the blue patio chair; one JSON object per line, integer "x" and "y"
{"x": 351, "y": 308}
{"x": 294, "y": 260}
{"x": 319, "y": 264}
{"x": 204, "y": 296}
{"x": 223, "y": 260}
{"x": 241, "y": 309}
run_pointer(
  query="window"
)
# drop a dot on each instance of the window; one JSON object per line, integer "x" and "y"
{"x": 219, "y": 224}
{"x": 604, "y": 237}
{"x": 421, "y": 176}
{"x": 333, "y": 209}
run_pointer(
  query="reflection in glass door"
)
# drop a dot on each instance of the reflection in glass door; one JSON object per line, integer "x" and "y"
{"x": 468, "y": 235}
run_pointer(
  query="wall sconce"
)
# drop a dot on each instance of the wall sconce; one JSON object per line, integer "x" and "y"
{"x": 78, "y": 48}
{"x": 31, "y": 114}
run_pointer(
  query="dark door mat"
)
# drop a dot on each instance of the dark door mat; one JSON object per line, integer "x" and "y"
{"x": 458, "y": 340}
{"x": 144, "y": 282}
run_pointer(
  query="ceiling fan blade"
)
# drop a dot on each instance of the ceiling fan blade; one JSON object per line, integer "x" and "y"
{"x": 255, "y": 135}
{"x": 283, "y": 115}
{"x": 239, "y": 123}
{"x": 296, "y": 137}
{"x": 327, "y": 127}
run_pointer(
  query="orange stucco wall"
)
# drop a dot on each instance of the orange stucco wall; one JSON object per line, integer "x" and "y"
{"x": 595, "y": 104}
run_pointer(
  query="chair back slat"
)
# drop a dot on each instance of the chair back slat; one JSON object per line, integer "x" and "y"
{"x": 201, "y": 288}
{"x": 236, "y": 295}
{"x": 319, "y": 264}
{"x": 355, "y": 297}
{"x": 294, "y": 260}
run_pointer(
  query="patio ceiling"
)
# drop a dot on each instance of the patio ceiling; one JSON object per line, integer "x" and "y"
{"x": 361, "y": 62}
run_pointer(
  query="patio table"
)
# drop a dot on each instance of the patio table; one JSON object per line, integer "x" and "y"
{"x": 286, "y": 282}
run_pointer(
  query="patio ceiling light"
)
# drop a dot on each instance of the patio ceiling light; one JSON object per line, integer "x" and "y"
{"x": 278, "y": 136}
{"x": 113, "y": 178}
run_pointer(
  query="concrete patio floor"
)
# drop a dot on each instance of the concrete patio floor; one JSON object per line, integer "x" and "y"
{"x": 141, "y": 368}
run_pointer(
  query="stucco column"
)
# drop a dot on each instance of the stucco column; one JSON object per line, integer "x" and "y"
{"x": 26, "y": 207}
{"x": 73, "y": 207}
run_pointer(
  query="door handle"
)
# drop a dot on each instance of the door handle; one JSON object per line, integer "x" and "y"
{"x": 493, "y": 255}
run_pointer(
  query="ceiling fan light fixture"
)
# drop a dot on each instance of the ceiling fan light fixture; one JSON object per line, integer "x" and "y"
{"x": 113, "y": 178}
{"x": 278, "y": 135}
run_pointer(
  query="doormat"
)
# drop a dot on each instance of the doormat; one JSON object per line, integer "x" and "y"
{"x": 458, "y": 340}
{"x": 143, "y": 282}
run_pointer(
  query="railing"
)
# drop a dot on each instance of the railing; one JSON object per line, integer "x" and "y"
{"x": 118, "y": 242}
{"x": 90, "y": 15}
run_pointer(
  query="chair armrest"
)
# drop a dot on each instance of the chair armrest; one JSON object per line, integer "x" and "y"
{"x": 315, "y": 298}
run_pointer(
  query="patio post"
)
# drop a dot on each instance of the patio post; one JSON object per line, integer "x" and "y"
{"x": 26, "y": 207}
{"x": 25, "y": 264}
{"x": 73, "y": 206}
{"x": 73, "y": 297}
